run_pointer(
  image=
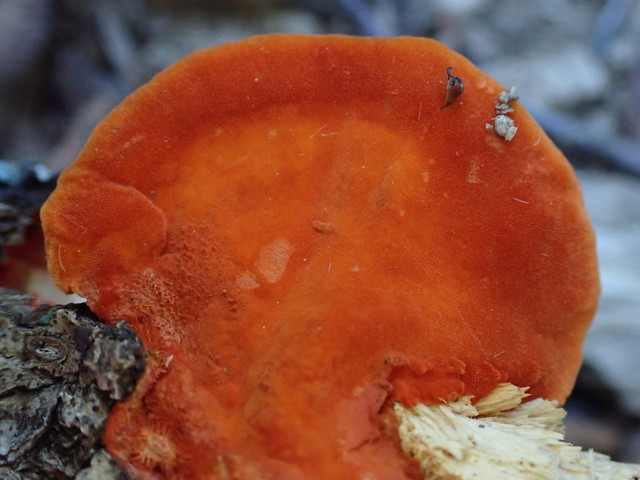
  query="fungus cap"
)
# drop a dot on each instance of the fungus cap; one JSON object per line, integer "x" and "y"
{"x": 302, "y": 236}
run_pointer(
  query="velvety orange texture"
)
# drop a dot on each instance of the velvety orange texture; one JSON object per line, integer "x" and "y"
{"x": 302, "y": 236}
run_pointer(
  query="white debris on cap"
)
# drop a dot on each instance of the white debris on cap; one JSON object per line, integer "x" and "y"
{"x": 501, "y": 439}
{"x": 504, "y": 125}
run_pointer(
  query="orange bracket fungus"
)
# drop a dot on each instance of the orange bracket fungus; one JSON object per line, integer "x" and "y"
{"x": 302, "y": 237}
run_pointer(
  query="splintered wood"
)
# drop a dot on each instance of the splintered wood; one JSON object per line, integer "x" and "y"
{"x": 500, "y": 438}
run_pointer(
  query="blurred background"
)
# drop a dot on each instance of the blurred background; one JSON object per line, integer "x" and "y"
{"x": 576, "y": 64}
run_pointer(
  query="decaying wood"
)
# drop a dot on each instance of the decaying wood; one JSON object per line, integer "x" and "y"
{"x": 23, "y": 188}
{"x": 500, "y": 438}
{"x": 61, "y": 372}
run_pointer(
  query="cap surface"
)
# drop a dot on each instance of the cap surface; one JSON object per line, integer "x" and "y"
{"x": 302, "y": 236}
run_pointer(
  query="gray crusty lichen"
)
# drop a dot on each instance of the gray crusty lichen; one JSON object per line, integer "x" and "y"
{"x": 61, "y": 372}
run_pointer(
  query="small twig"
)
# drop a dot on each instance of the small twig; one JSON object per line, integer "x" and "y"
{"x": 612, "y": 151}
{"x": 363, "y": 18}
{"x": 117, "y": 41}
{"x": 610, "y": 20}
{"x": 414, "y": 18}
{"x": 85, "y": 118}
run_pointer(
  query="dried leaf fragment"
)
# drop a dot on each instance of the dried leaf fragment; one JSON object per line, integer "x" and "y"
{"x": 455, "y": 88}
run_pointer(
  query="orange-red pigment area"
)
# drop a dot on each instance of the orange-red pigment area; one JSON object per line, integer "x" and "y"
{"x": 300, "y": 262}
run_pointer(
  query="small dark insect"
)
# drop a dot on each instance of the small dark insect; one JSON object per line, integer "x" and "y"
{"x": 455, "y": 87}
